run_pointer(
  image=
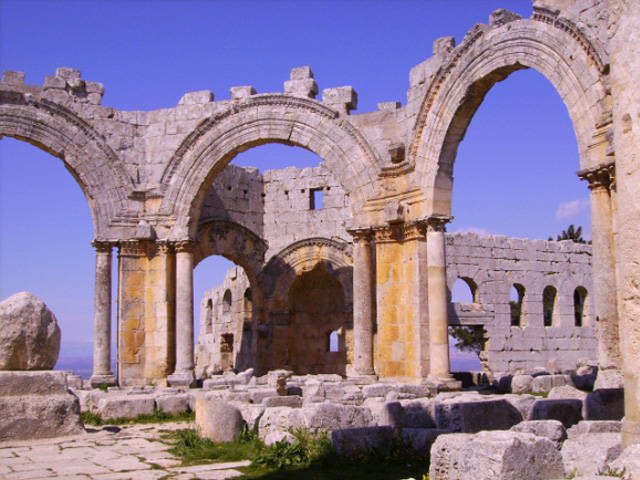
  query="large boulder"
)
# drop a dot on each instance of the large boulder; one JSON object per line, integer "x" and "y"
{"x": 217, "y": 420}
{"x": 29, "y": 334}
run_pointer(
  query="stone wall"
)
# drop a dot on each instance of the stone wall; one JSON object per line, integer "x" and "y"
{"x": 491, "y": 266}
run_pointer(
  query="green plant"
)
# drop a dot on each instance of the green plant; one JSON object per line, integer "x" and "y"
{"x": 612, "y": 472}
{"x": 158, "y": 416}
{"x": 306, "y": 449}
{"x": 188, "y": 445}
{"x": 104, "y": 387}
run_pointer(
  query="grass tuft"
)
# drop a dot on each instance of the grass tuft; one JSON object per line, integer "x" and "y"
{"x": 158, "y": 416}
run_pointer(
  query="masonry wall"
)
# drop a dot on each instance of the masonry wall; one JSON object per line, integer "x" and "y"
{"x": 493, "y": 265}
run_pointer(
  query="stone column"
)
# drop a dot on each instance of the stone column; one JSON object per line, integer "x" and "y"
{"x": 601, "y": 183}
{"x": 363, "y": 285}
{"x": 439, "y": 369}
{"x": 102, "y": 373}
{"x": 184, "y": 374}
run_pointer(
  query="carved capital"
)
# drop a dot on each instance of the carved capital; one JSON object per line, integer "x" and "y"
{"x": 102, "y": 246}
{"x": 601, "y": 177}
{"x": 163, "y": 247}
{"x": 132, "y": 247}
{"x": 184, "y": 246}
{"x": 438, "y": 223}
{"x": 361, "y": 235}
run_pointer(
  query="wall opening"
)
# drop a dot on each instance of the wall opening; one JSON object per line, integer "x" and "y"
{"x": 580, "y": 307}
{"x": 464, "y": 290}
{"x": 516, "y": 298}
{"x": 227, "y": 301}
{"x": 466, "y": 346}
{"x": 316, "y": 313}
{"x": 316, "y": 199}
{"x": 549, "y": 295}
{"x": 333, "y": 343}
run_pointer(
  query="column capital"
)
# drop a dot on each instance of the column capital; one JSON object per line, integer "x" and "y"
{"x": 437, "y": 223}
{"x": 600, "y": 177}
{"x": 183, "y": 246}
{"x": 361, "y": 234}
{"x": 131, "y": 247}
{"x": 103, "y": 246}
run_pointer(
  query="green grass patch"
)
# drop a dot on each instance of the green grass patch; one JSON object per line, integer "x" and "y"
{"x": 158, "y": 416}
{"x": 309, "y": 456}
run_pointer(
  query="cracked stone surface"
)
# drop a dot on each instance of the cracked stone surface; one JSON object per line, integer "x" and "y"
{"x": 131, "y": 452}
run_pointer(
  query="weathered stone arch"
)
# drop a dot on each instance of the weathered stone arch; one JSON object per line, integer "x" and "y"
{"x": 232, "y": 241}
{"x": 488, "y": 56}
{"x": 303, "y": 256}
{"x": 255, "y": 121}
{"x": 84, "y": 152}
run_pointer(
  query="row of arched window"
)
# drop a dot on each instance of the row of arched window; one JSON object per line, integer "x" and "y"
{"x": 517, "y": 294}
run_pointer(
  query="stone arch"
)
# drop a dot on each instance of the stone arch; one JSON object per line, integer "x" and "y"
{"x": 255, "y": 121}
{"x": 234, "y": 242}
{"x": 488, "y": 56}
{"x": 85, "y": 153}
{"x": 282, "y": 270}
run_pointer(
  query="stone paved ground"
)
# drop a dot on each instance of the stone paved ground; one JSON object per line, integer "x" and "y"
{"x": 133, "y": 452}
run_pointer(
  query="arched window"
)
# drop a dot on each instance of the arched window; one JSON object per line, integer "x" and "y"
{"x": 516, "y": 297}
{"x": 248, "y": 309}
{"x": 333, "y": 342}
{"x": 464, "y": 290}
{"x": 226, "y": 301}
{"x": 549, "y": 295}
{"x": 209, "y": 317}
{"x": 580, "y": 306}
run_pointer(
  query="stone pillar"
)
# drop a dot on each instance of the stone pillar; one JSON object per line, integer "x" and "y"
{"x": 102, "y": 373}
{"x": 624, "y": 18}
{"x": 184, "y": 374}
{"x": 363, "y": 285}
{"x": 439, "y": 369}
{"x": 601, "y": 183}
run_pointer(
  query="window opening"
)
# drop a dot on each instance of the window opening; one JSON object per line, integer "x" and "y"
{"x": 579, "y": 310}
{"x": 516, "y": 296}
{"x": 334, "y": 342}
{"x": 548, "y": 305}
{"x": 316, "y": 199}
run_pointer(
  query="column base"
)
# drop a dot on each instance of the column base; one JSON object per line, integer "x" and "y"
{"x": 182, "y": 379}
{"x": 98, "y": 380}
{"x": 444, "y": 383}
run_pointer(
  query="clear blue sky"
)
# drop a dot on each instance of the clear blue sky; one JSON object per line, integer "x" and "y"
{"x": 515, "y": 169}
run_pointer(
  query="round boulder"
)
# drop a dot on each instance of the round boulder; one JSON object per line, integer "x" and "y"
{"x": 29, "y": 334}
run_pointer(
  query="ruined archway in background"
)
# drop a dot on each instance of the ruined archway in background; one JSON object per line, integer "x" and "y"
{"x": 257, "y": 120}
{"x": 488, "y": 56}
{"x": 84, "y": 152}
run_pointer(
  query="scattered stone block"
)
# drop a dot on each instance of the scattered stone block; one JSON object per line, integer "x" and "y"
{"x": 356, "y": 441}
{"x": 173, "y": 404}
{"x": 37, "y": 405}
{"x": 276, "y": 437}
{"x": 29, "y": 334}
{"x": 544, "y": 383}
{"x": 567, "y": 411}
{"x": 567, "y": 391}
{"x": 124, "y": 406}
{"x": 495, "y": 455}
{"x": 521, "y": 383}
{"x": 217, "y": 420}
{"x": 459, "y": 415}
{"x": 628, "y": 462}
{"x": 293, "y": 401}
{"x": 604, "y": 404}
{"x": 421, "y": 439}
{"x": 551, "y": 429}
{"x": 587, "y": 427}
{"x": 590, "y": 454}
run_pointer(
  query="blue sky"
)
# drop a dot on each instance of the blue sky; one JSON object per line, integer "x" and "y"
{"x": 514, "y": 175}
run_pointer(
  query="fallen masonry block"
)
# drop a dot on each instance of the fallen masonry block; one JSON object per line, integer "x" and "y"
{"x": 586, "y": 427}
{"x": 551, "y": 429}
{"x": 217, "y": 420}
{"x": 567, "y": 410}
{"x": 604, "y": 404}
{"x": 495, "y": 455}
{"x": 356, "y": 441}
{"x": 124, "y": 406}
{"x": 472, "y": 416}
{"x": 590, "y": 454}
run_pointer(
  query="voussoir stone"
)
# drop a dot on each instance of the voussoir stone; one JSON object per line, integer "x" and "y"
{"x": 29, "y": 334}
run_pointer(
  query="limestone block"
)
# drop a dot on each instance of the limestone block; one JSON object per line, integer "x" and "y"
{"x": 276, "y": 437}
{"x": 414, "y": 414}
{"x": 17, "y": 383}
{"x": 444, "y": 455}
{"x": 587, "y": 427}
{"x": 275, "y": 375}
{"x": 25, "y": 417}
{"x": 567, "y": 391}
{"x": 240, "y": 93}
{"x": 280, "y": 419}
{"x": 590, "y": 454}
{"x": 250, "y": 413}
{"x": 217, "y": 420}
{"x": 628, "y": 462}
{"x": 521, "y": 383}
{"x": 329, "y": 417}
{"x": 604, "y": 404}
{"x": 544, "y": 383}
{"x": 194, "y": 98}
{"x": 173, "y": 404}
{"x": 258, "y": 394}
{"x": 508, "y": 456}
{"x": 551, "y": 429}
{"x": 9, "y": 76}
{"x": 421, "y": 440}
{"x": 356, "y": 441}
{"x": 29, "y": 334}
{"x": 567, "y": 411}
{"x": 378, "y": 390}
{"x": 293, "y": 401}
{"x": 124, "y": 406}
{"x": 470, "y": 416}
{"x": 341, "y": 97}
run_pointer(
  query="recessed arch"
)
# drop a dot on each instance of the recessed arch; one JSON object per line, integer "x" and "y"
{"x": 84, "y": 152}
{"x": 255, "y": 121}
{"x": 490, "y": 56}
